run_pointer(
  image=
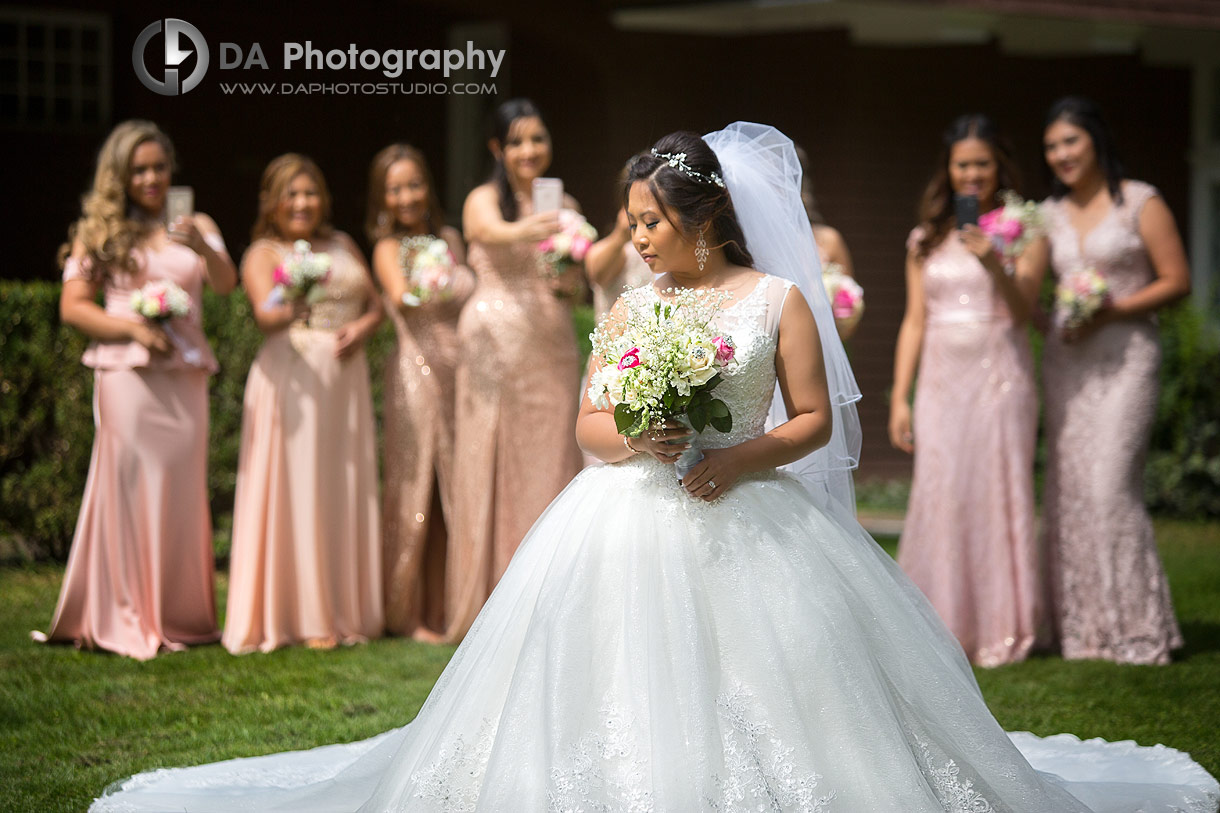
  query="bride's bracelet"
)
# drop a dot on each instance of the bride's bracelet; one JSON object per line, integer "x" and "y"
{"x": 630, "y": 448}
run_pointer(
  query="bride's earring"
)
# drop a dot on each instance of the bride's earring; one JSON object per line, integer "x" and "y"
{"x": 701, "y": 251}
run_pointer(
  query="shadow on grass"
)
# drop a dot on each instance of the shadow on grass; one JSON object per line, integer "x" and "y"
{"x": 1201, "y": 638}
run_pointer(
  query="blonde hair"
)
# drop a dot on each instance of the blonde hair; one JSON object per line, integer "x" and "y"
{"x": 106, "y": 228}
{"x": 277, "y": 177}
{"x": 379, "y": 222}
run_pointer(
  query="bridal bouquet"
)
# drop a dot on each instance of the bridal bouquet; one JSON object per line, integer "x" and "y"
{"x": 1078, "y": 296}
{"x": 301, "y": 276}
{"x": 160, "y": 300}
{"x": 663, "y": 362}
{"x": 845, "y": 295}
{"x": 1012, "y": 226}
{"x": 569, "y": 245}
{"x": 428, "y": 265}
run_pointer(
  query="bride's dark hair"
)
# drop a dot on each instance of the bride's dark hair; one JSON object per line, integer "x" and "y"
{"x": 691, "y": 201}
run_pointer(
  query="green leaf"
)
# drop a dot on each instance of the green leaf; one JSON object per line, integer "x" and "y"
{"x": 718, "y": 409}
{"x": 697, "y": 415}
{"x": 628, "y": 422}
{"x": 722, "y": 424}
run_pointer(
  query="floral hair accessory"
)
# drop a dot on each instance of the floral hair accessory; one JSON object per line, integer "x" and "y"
{"x": 677, "y": 160}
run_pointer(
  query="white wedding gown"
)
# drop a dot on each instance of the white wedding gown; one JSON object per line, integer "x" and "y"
{"x": 647, "y": 651}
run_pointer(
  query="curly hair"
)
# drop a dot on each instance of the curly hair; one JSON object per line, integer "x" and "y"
{"x": 106, "y": 228}
{"x": 273, "y": 189}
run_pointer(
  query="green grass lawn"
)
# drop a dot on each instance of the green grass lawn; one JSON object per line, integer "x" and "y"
{"x": 72, "y": 722}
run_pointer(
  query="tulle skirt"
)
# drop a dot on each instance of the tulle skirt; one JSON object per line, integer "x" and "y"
{"x": 649, "y": 652}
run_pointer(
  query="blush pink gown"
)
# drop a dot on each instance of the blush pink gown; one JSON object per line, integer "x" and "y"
{"x": 1111, "y": 597}
{"x": 140, "y": 572}
{"x": 418, "y": 458}
{"x": 306, "y": 558}
{"x": 968, "y": 540}
{"x": 518, "y": 391}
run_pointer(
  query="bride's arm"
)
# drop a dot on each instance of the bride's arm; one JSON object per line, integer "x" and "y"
{"x": 802, "y": 382}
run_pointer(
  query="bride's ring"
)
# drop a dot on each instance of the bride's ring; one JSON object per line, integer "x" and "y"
{"x": 712, "y": 483}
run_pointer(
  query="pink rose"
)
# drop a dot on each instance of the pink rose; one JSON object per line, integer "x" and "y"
{"x": 1008, "y": 230}
{"x": 580, "y": 247}
{"x": 281, "y": 276}
{"x": 844, "y": 304}
{"x": 725, "y": 350}
{"x": 547, "y": 245}
{"x": 630, "y": 359}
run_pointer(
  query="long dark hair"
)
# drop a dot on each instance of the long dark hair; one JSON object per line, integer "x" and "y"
{"x": 936, "y": 205}
{"x": 1085, "y": 114}
{"x": 689, "y": 202}
{"x": 502, "y": 119}
{"x": 379, "y": 222}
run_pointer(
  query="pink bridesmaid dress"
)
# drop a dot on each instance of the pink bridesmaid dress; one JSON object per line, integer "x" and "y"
{"x": 1111, "y": 597}
{"x": 518, "y": 392}
{"x": 968, "y": 540}
{"x": 418, "y": 423}
{"x": 306, "y": 558}
{"x": 140, "y": 572}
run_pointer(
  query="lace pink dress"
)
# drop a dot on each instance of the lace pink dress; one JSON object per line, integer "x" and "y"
{"x": 1111, "y": 597}
{"x": 968, "y": 540}
{"x": 139, "y": 577}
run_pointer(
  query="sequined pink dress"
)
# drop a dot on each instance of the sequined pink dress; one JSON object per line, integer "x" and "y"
{"x": 1111, "y": 597}
{"x": 518, "y": 391}
{"x": 418, "y": 423}
{"x": 306, "y": 559}
{"x": 968, "y": 540}
{"x": 139, "y": 576}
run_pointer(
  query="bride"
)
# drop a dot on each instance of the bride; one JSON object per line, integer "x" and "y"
{"x": 730, "y": 642}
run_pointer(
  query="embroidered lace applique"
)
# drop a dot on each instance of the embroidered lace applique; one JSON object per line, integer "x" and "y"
{"x": 456, "y": 776}
{"x": 956, "y": 794}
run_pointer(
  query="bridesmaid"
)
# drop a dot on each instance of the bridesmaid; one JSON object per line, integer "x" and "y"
{"x": 418, "y": 405}
{"x": 613, "y": 265}
{"x": 306, "y": 559}
{"x": 1111, "y": 598}
{"x": 832, "y": 248}
{"x": 518, "y": 378}
{"x": 968, "y": 540}
{"x": 139, "y": 577}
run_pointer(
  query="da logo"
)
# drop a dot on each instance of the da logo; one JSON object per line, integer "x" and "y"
{"x": 173, "y": 56}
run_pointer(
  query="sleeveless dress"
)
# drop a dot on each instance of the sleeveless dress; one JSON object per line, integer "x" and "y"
{"x": 306, "y": 555}
{"x": 140, "y": 571}
{"x": 418, "y": 423}
{"x": 518, "y": 392}
{"x": 647, "y": 651}
{"x": 1111, "y": 597}
{"x": 968, "y": 540}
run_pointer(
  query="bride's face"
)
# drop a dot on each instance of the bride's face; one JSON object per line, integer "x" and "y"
{"x": 659, "y": 242}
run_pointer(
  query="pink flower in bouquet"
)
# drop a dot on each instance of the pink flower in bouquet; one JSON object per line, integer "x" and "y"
{"x": 281, "y": 277}
{"x": 580, "y": 247}
{"x": 844, "y": 305}
{"x": 1008, "y": 229}
{"x": 547, "y": 245}
{"x": 725, "y": 349}
{"x": 630, "y": 359}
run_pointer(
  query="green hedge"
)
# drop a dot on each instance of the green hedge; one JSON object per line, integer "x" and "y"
{"x": 46, "y": 418}
{"x": 46, "y": 413}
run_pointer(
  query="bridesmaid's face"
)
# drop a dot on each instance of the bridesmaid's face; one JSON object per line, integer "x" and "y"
{"x": 300, "y": 210}
{"x": 149, "y": 177}
{"x": 660, "y": 244}
{"x": 527, "y": 151}
{"x": 1069, "y": 152}
{"x": 973, "y": 169}
{"x": 406, "y": 194}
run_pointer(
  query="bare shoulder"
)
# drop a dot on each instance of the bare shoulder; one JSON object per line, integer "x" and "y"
{"x": 206, "y": 224}
{"x": 572, "y": 203}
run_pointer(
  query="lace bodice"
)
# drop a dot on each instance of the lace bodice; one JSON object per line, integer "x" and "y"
{"x": 749, "y": 383}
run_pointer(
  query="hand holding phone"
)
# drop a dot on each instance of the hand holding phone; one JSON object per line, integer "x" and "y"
{"x": 179, "y": 202}
{"x": 547, "y": 194}
{"x": 966, "y": 210}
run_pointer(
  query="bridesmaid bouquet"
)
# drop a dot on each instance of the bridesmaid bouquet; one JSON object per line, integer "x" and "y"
{"x": 160, "y": 300}
{"x": 569, "y": 245}
{"x": 1078, "y": 296}
{"x": 428, "y": 265}
{"x": 1012, "y": 226}
{"x": 845, "y": 295}
{"x": 301, "y": 276}
{"x": 663, "y": 362}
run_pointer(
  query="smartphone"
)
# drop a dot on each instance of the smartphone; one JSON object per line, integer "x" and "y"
{"x": 966, "y": 209}
{"x": 548, "y": 195}
{"x": 179, "y": 202}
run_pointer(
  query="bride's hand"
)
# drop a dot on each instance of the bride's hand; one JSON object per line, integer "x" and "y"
{"x": 713, "y": 475}
{"x": 664, "y": 441}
